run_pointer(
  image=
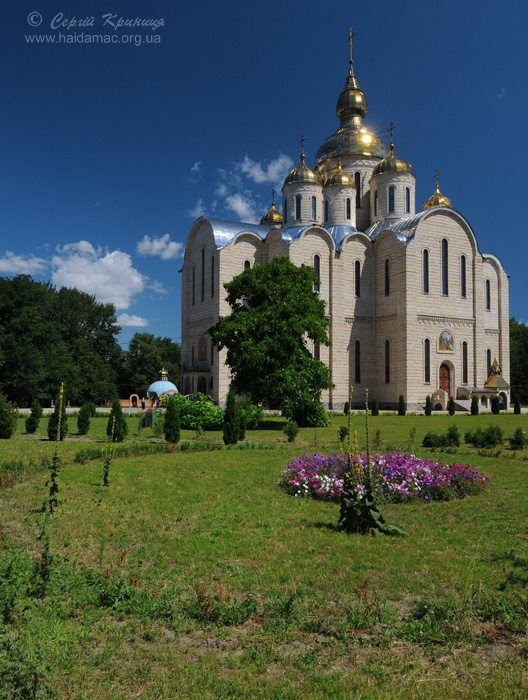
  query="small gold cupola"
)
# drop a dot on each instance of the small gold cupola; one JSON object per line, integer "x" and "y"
{"x": 302, "y": 173}
{"x": 392, "y": 163}
{"x": 437, "y": 199}
{"x": 340, "y": 178}
{"x": 272, "y": 216}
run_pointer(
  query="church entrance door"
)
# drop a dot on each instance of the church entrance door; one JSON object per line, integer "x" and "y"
{"x": 445, "y": 378}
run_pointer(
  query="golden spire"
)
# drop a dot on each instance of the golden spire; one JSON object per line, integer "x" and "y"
{"x": 391, "y": 132}
{"x": 351, "y": 35}
{"x": 437, "y": 199}
{"x": 272, "y": 216}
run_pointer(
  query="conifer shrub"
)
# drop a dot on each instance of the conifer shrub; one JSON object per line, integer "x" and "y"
{"x": 491, "y": 437}
{"x": 291, "y": 430}
{"x": 8, "y": 418}
{"x": 172, "y": 421}
{"x": 91, "y": 408}
{"x": 346, "y": 408}
{"x": 428, "y": 405}
{"x": 402, "y": 409}
{"x": 451, "y": 406}
{"x": 375, "y": 407}
{"x": 518, "y": 441}
{"x": 119, "y": 428}
{"x": 241, "y": 422}
{"x": 83, "y": 420}
{"x": 450, "y": 439}
{"x": 32, "y": 421}
{"x": 517, "y": 406}
{"x": 495, "y": 405}
{"x": 474, "y": 405}
{"x": 53, "y": 422}
{"x": 231, "y": 420}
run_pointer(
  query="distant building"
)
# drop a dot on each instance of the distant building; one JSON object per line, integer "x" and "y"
{"x": 161, "y": 387}
{"x": 415, "y": 308}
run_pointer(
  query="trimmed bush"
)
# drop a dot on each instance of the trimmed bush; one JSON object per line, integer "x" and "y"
{"x": 375, "y": 407}
{"x": 474, "y": 405}
{"x": 231, "y": 420}
{"x": 451, "y": 406}
{"x": 83, "y": 419}
{"x": 428, "y": 405}
{"x": 32, "y": 421}
{"x": 291, "y": 430}
{"x": 517, "y": 406}
{"x": 495, "y": 405}
{"x": 518, "y": 441}
{"x": 453, "y": 436}
{"x": 491, "y": 437}
{"x": 402, "y": 408}
{"x": 450, "y": 439}
{"x": 8, "y": 418}
{"x": 120, "y": 427}
{"x": 171, "y": 424}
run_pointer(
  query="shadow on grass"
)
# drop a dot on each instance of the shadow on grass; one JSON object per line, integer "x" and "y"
{"x": 271, "y": 425}
{"x": 324, "y": 526}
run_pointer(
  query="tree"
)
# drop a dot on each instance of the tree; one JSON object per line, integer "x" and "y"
{"x": 275, "y": 312}
{"x": 451, "y": 406}
{"x": 171, "y": 425}
{"x": 83, "y": 419}
{"x": 32, "y": 421}
{"x": 231, "y": 432}
{"x": 402, "y": 408}
{"x": 146, "y": 355}
{"x": 8, "y": 418}
{"x": 474, "y": 405}
{"x": 117, "y": 427}
{"x": 375, "y": 407}
{"x": 495, "y": 405}
{"x": 428, "y": 405}
{"x": 517, "y": 406}
{"x": 519, "y": 360}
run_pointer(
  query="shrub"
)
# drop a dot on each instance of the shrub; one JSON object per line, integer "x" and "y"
{"x": 343, "y": 433}
{"x": 518, "y": 441}
{"x": 253, "y": 414}
{"x": 241, "y": 423}
{"x": 231, "y": 420}
{"x": 491, "y": 437}
{"x": 346, "y": 408}
{"x": 451, "y": 406}
{"x": 291, "y": 430}
{"x": 401, "y": 405}
{"x": 120, "y": 427}
{"x": 434, "y": 440}
{"x": 517, "y": 406}
{"x": 474, "y": 405}
{"x": 495, "y": 405}
{"x": 375, "y": 407}
{"x": 200, "y": 413}
{"x": 310, "y": 415}
{"x": 53, "y": 422}
{"x": 8, "y": 418}
{"x": 428, "y": 405}
{"x": 32, "y": 421}
{"x": 453, "y": 436}
{"x": 83, "y": 419}
{"x": 90, "y": 406}
{"x": 171, "y": 423}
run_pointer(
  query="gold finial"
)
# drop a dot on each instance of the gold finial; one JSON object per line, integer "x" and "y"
{"x": 391, "y": 132}
{"x": 436, "y": 176}
{"x": 272, "y": 197}
{"x": 303, "y": 139}
{"x": 351, "y": 35}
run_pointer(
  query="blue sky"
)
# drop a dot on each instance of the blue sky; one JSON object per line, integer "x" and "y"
{"x": 110, "y": 151}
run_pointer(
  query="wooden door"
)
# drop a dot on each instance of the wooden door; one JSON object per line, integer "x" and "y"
{"x": 445, "y": 379}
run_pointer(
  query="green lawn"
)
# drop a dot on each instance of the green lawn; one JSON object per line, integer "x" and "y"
{"x": 194, "y": 576}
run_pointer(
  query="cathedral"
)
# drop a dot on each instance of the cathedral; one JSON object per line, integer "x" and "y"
{"x": 415, "y": 308}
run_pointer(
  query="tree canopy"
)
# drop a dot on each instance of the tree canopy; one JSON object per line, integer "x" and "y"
{"x": 146, "y": 355}
{"x": 519, "y": 360}
{"x": 274, "y": 313}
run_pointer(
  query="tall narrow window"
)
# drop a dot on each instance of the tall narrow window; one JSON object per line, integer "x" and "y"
{"x": 326, "y": 209}
{"x": 376, "y": 203}
{"x": 285, "y": 209}
{"x": 488, "y": 295}
{"x": 314, "y": 208}
{"x": 387, "y": 362}
{"x": 212, "y": 353}
{"x": 445, "y": 268}
{"x": 247, "y": 264}
{"x": 357, "y": 277}
{"x": 357, "y": 362}
{"x": 391, "y": 199}
{"x": 427, "y": 361}
{"x": 463, "y": 276}
{"x": 192, "y": 356}
{"x": 488, "y": 361}
{"x": 387, "y": 277}
{"x": 407, "y": 200}
{"x": 203, "y": 275}
{"x": 348, "y": 208}
{"x": 298, "y": 206}
{"x": 357, "y": 180}
{"x": 317, "y": 270}
{"x": 212, "y": 277}
{"x": 464, "y": 363}
{"x": 425, "y": 271}
{"x": 317, "y": 351}
{"x": 193, "y": 282}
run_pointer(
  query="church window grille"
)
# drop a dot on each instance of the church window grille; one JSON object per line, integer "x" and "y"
{"x": 314, "y": 208}
{"x": 391, "y": 199}
{"x": 212, "y": 277}
{"x": 348, "y": 208}
{"x": 463, "y": 277}
{"x": 488, "y": 295}
{"x": 203, "y": 275}
{"x": 445, "y": 267}
{"x": 427, "y": 361}
{"x": 317, "y": 270}
{"x": 387, "y": 277}
{"x": 488, "y": 361}
{"x": 357, "y": 180}
{"x": 387, "y": 362}
{"x": 247, "y": 264}
{"x": 407, "y": 200}
{"x": 357, "y": 362}
{"x": 298, "y": 206}
{"x": 357, "y": 278}
{"x": 464, "y": 363}
{"x": 326, "y": 209}
{"x": 425, "y": 270}
{"x": 317, "y": 351}
{"x": 376, "y": 203}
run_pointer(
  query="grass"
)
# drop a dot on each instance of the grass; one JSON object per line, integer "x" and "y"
{"x": 194, "y": 576}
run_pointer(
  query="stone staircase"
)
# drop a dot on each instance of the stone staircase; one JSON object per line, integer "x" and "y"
{"x": 463, "y": 405}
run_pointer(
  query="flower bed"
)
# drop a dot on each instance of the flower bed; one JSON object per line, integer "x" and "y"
{"x": 399, "y": 477}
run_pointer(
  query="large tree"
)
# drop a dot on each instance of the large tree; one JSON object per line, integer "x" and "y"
{"x": 519, "y": 360}
{"x": 146, "y": 355}
{"x": 275, "y": 311}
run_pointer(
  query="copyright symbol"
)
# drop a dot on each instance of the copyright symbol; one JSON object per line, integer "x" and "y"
{"x": 34, "y": 19}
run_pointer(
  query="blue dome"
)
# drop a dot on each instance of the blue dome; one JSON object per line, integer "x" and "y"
{"x": 161, "y": 387}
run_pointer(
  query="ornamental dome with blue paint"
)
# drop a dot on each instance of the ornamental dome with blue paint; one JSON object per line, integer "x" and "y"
{"x": 162, "y": 386}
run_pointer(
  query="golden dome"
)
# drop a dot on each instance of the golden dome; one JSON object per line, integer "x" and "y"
{"x": 340, "y": 178}
{"x": 302, "y": 173}
{"x": 351, "y": 100}
{"x": 392, "y": 164}
{"x": 437, "y": 200}
{"x": 272, "y": 216}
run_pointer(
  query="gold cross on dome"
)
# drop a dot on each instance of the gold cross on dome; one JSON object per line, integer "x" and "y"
{"x": 391, "y": 130}
{"x": 272, "y": 197}
{"x": 351, "y": 35}
{"x": 303, "y": 139}
{"x": 436, "y": 176}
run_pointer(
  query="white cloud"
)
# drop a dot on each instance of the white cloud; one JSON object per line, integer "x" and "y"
{"x": 196, "y": 167}
{"x": 128, "y": 320}
{"x": 109, "y": 276}
{"x": 198, "y": 210}
{"x": 501, "y": 93}
{"x": 274, "y": 173}
{"x": 162, "y": 246}
{"x": 157, "y": 287}
{"x": 243, "y": 206}
{"x": 12, "y": 264}
{"x": 221, "y": 189}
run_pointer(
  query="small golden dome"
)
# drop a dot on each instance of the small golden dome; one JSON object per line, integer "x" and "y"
{"x": 352, "y": 100}
{"x": 392, "y": 164}
{"x": 340, "y": 178}
{"x": 302, "y": 173}
{"x": 437, "y": 200}
{"x": 272, "y": 216}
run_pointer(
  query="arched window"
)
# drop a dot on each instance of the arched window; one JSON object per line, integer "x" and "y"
{"x": 285, "y": 209}
{"x": 326, "y": 209}
{"x": 387, "y": 362}
{"x": 407, "y": 200}
{"x": 425, "y": 271}
{"x": 464, "y": 363}
{"x": 317, "y": 351}
{"x": 357, "y": 278}
{"x": 212, "y": 277}
{"x": 427, "y": 361}
{"x": 387, "y": 277}
{"x": 445, "y": 268}
{"x": 314, "y": 208}
{"x": 357, "y": 362}
{"x": 463, "y": 286}
{"x": 317, "y": 270}
{"x": 488, "y": 361}
{"x": 357, "y": 180}
{"x": 203, "y": 275}
{"x": 376, "y": 203}
{"x": 247, "y": 264}
{"x": 391, "y": 199}
{"x": 298, "y": 206}
{"x": 348, "y": 208}
{"x": 488, "y": 295}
